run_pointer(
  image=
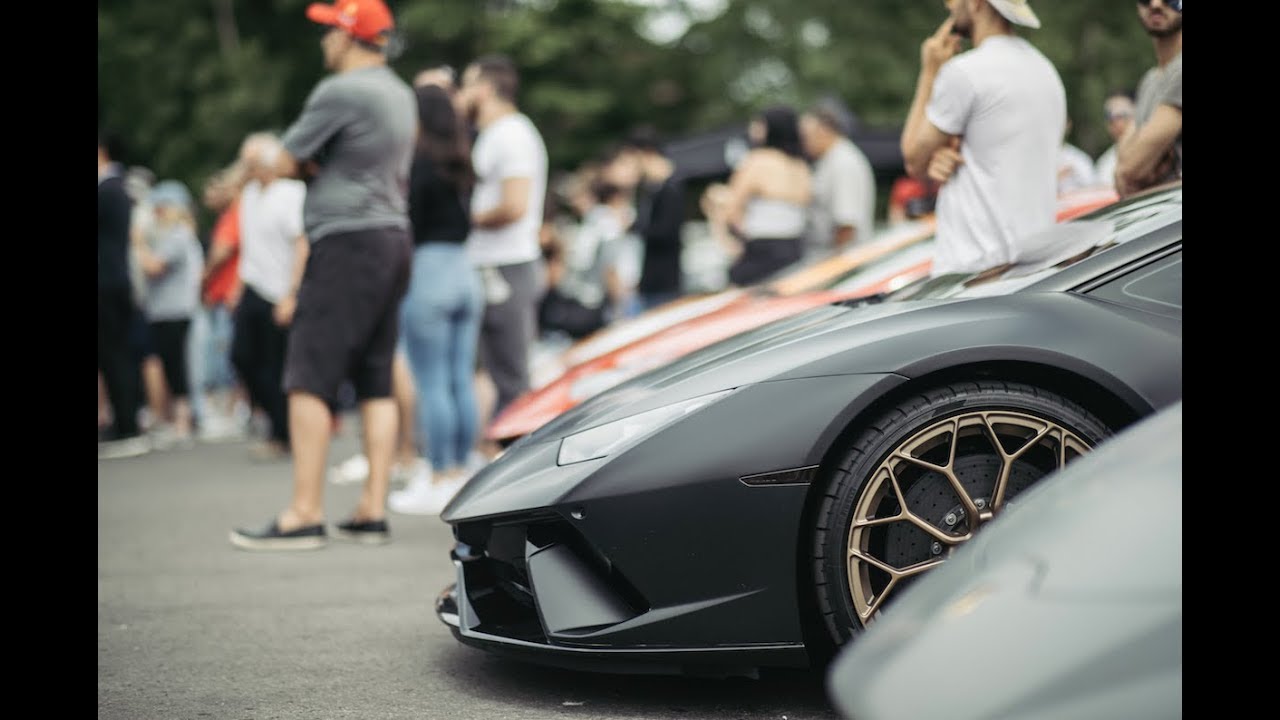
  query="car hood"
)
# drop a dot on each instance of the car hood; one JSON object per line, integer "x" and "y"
{"x": 759, "y": 355}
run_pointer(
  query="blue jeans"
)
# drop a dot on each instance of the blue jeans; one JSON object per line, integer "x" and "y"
{"x": 439, "y": 328}
{"x": 219, "y": 374}
{"x": 197, "y": 340}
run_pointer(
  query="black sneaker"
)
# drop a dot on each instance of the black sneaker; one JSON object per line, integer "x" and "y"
{"x": 309, "y": 537}
{"x": 369, "y": 532}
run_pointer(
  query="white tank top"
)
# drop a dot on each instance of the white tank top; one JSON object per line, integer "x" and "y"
{"x": 773, "y": 218}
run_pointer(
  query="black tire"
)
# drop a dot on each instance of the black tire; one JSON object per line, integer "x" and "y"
{"x": 948, "y": 425}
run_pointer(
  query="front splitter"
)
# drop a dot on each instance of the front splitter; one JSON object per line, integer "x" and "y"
{"x": 720, "y": 662}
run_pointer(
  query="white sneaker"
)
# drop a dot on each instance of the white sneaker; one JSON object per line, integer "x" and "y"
{"x": 220, "y": 429}
{"x": 351, "y": 471}
{"x": 163, "y": 437}
{"x": 420, "y": 497}
{"x": 402, "y": 474}
{"x": 124, "y": 448}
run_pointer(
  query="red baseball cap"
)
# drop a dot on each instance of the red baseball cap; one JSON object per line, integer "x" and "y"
{"x": 367, "y": 20}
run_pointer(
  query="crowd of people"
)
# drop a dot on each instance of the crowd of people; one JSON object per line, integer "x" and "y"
{"x": 400, "y": 248}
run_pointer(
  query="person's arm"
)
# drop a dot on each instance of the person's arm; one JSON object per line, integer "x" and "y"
{"x": 510, "y": 208}
{"x": 290, "y": 167}
{"x": 160, "y": 259}
{"x": 1144, "y": 154}
{"x": 219, "y": 254}
{"x": 223, "y": 244}
{"x": 325, "y": 113}
{"x": 713, "y": 205}
{"x": 920, "y": 137}
{"x": 151, "y": 264}
{"x": 283, "y": 310}
{"x": 743, "y": 184}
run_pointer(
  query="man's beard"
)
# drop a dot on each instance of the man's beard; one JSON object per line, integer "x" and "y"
{"x": 1174, "y": 27}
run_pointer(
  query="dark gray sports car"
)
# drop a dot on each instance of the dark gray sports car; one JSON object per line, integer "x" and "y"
{"x": 757, "y": 503}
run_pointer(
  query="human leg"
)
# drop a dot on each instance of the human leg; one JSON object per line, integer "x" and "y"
{"x": 381, "y": 263}
{"x": 465, "y": 332}
{"x": 120, "y": 375}
{"x": 424, "y": 333}
{"x": 195, "y": 352}
{"x": 275, "y": 402}
{"x": 507, "y": 332}
{"x": 405, "y": 391}
{"x": 170, "y": 338}
{"x": 117, "y": 361}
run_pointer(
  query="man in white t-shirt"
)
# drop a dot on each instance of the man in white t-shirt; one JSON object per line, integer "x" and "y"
{"x": 273, "y": 250}
{"x": 844, "y": 187}
{"x": 988, "y": 124}
{"x": 510, "y": 162}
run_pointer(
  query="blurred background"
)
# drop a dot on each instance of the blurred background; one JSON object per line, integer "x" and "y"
{"x": 182, "y": 82}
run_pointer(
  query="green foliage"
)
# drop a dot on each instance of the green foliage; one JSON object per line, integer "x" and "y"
{"x": 185, "y": 80}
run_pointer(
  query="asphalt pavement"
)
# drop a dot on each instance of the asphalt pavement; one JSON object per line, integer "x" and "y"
{"x": 191, "y": 627}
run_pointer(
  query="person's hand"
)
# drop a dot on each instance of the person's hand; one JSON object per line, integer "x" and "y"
{"x": 944, "y": 162}
{"x": 939, "y": 47}
{"x": 233, "y": 299}
{"x": 282, "y": 313}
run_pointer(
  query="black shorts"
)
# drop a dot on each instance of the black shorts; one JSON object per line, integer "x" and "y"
{"x": 170, "y": 342}
{"x": 762, "y": 257}
{"x": 348, "y": 314}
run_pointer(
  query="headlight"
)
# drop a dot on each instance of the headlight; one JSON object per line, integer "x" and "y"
{"x": 600, "y": 441}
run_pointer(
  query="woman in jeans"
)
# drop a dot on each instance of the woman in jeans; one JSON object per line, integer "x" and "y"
{"x": 440, "y": 320}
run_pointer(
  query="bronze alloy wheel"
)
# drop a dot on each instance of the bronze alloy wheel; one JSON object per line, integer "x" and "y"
{"x": 938, "y": 488}
{"x": 920, "y": 479}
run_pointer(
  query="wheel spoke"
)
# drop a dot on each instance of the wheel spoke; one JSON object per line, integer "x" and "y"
{"x": 1007, "y": 460}
{"x": 904, "y": 514}
{"x": 896, "y": 576}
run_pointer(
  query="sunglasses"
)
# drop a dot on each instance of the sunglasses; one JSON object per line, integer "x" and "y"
{"x": 1118, "y": 116}
{"x": 1175, "y": 5}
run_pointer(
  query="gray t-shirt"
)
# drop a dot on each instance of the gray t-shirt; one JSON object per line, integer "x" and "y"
{"x": 174, "y": 294}
{"x": 359, "y": 126}
{"x": 844, "y": 193}
{"x": 1162, "y": 86}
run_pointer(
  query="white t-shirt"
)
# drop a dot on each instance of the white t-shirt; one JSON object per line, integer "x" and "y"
{"x": 510, "y": 147}
{"x": 844, "y": 193}
{"x": 1075, "y": 169}
{"x": 270, "y": 220}
{"x": 1006, "y": 102}
{"x": 1104, "y": 170}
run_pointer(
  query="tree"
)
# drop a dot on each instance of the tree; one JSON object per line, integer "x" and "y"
{"x": 184, "y": 81}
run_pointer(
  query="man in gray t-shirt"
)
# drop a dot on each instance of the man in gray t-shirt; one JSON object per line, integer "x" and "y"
{"x": 1151, "y": 154}
{"x": 844, "y": 186}
{"x": 371, "y": 113}
{"x": 354, "y": 143}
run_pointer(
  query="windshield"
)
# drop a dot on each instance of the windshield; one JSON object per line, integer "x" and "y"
{"x": 1056, "y": 248}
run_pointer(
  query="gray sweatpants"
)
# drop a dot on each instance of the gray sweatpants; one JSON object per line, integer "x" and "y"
{"x": 510, "y": 325}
